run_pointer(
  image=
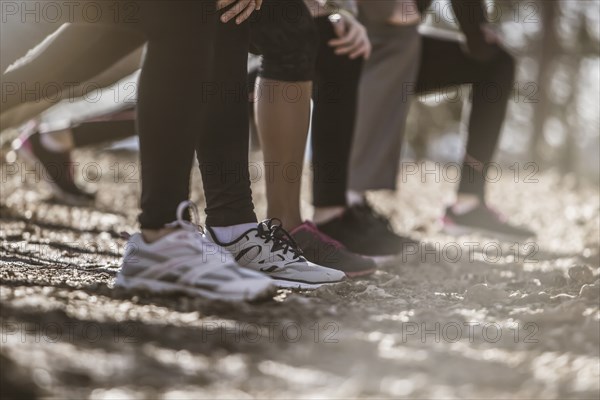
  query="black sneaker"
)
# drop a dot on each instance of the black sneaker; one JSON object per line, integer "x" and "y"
{"x": 322, "y": 249}
{"x": 484, "y": 220}
{"x": 55, "y": 168}
{"x": 381, "y": 224}
{"x": 364, "y": 231}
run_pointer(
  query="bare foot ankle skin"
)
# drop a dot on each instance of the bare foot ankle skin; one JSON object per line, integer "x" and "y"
{"x": 465, "y": 202}
{"x": 152, "y": 235}
{"x": 325, "y": 214}
{"x": 289, "y": 223}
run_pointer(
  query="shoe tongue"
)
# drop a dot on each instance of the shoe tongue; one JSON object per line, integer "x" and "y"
{"x": 263, "y": 227}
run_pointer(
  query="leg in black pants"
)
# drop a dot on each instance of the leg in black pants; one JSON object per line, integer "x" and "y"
{"x": 223, "y": 149}
{"x": 190, "y": 98}
{"x": 335, "y": 93}
{"x": 492, "y": 85}
{"x": 176, "y": 114}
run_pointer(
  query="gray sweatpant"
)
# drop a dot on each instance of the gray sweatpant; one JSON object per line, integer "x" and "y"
{"x": 386, "y": 88}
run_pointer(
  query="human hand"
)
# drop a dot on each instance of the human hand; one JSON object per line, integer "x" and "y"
{"x": 240, "y": 11}
{"x": 352, "y": 37}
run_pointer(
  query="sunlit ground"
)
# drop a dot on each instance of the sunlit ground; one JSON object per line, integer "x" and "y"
{"x": 462, "y": 317}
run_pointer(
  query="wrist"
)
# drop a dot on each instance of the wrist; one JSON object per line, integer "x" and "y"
{"x": 341, "y": 7}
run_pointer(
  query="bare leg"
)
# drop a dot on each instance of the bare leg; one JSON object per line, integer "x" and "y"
{"x": 283, "y": 129}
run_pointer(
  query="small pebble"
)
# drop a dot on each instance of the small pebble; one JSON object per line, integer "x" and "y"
{"x": 482, "y": 294}
{"x": 591, "y": 292}
{"x": 581, "y": 274}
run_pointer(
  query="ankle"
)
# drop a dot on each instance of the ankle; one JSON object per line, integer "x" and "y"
{"x": 325, "y": 214}
{"x": 58, "y": 141}
{"x": 152, "y": 235}
{"x": 465, "y": 202}
{"x": 289, "y": 221}
{"x": 227, "y": 234}
{"x": 355, "y": 198}
{"x": 289, "y": 224}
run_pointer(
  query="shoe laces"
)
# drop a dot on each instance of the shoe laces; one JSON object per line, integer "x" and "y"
{"x": 270, "y": 230}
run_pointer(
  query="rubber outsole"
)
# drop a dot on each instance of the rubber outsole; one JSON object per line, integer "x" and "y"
{"x": 382, "y": 261}
{"x": 358, "y": 274}
{"x": 462, "y": 230}
{"x": 263, "y": 289}
{"x": 285, "y": 284}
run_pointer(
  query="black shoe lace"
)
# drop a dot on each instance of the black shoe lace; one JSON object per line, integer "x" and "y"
{"x": 271, "y": 230}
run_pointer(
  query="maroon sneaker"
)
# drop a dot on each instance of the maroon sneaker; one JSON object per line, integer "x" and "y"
{"x": 322, "y": 249}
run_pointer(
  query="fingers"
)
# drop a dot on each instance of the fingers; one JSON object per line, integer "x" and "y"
{"x": 354, "y": 43}
{"x": 258, "y": 4}
{"x": 339, "y": 28}
{"x": 352, "y": 37}
{"x": 246, "y": 13}
{"x": 240, "y": 11}
{"x": 344, "y": 41}
{"x": 363, "y": 51}
{"x": 360, "y": 48}
{"x": 338, "y": 23}
{"x": 221, "y": 4}
{"x": 354, "y": 47}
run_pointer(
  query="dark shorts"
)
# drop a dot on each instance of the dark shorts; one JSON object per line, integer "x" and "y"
{"x": 284, "y": 33}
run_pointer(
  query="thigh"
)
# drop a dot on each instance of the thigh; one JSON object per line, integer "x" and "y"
{"x": 444, "y": 63}
{"x": 17, "y": 37}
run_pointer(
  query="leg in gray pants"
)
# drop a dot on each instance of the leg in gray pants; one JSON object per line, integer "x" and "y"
{"x": 386, "y": 87}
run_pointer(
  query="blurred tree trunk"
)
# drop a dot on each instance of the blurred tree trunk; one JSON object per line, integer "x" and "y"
{"x": 548, "y": 51}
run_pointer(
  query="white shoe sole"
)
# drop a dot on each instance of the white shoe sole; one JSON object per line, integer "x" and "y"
{"x": 285, "y": 284}
{"x": 461, "y": 230}
{"x": 260, "y": 289}
{"x": 383, "y": 261}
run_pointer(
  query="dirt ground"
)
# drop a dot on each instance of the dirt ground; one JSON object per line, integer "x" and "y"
{"x": 463, "y": 317}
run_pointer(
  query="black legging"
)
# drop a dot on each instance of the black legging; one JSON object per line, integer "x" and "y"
{"x": 203, "y": 98}
{"x": 445, "y": 64}
{"x": 192, "y": 97}
{"x": 335, "y": 95}
{"x": 191, "y": 59}
{"x": 193, "y": 84}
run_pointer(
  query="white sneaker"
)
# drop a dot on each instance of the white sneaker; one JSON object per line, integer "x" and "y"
{"x": 268, "y": 248}
{"x": 184, "y": 261}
